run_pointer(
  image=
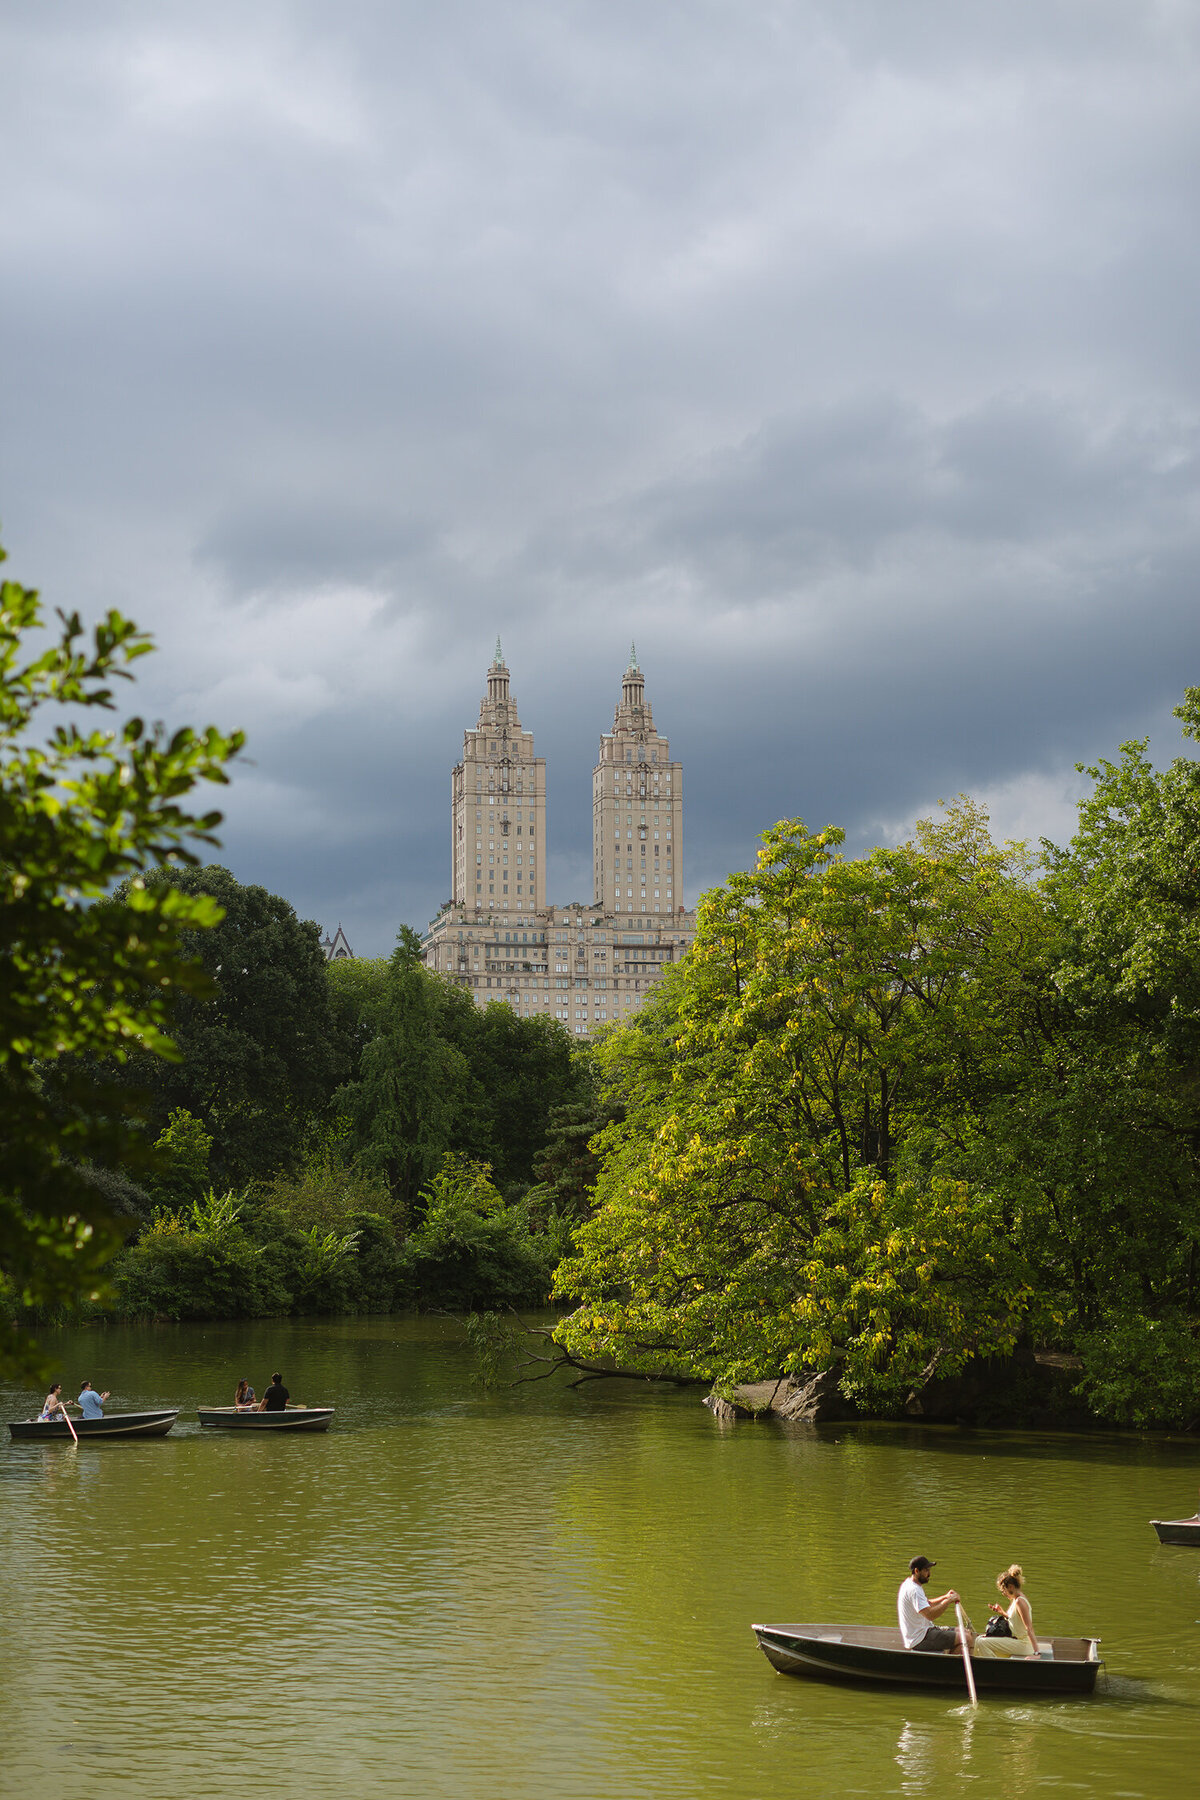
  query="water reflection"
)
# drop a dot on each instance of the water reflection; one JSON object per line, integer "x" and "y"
{"x": 994, "y": 1745}
{"x": 917, "y": 1755}
{"x": 460, "y": 1593}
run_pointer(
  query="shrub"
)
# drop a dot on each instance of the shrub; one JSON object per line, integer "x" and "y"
{"x": 470, "y": 1249}
{"x": 327, "y": 1194}
{"x": 199, "y": 1263}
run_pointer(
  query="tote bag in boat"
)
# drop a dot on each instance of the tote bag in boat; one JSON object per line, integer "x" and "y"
{"x": 998, "y": 1626}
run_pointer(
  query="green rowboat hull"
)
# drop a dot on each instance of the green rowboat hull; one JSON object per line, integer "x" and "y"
{"x": 294, "y": 1418}
{"x": 876, "y": 1653}
{"x": 113, "y": 1425}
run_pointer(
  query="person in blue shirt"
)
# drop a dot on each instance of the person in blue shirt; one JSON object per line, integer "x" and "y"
{"x": 90, "y": 1402}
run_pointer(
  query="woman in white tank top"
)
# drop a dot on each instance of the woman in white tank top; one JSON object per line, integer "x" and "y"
{"x": 1019, "y": 1614}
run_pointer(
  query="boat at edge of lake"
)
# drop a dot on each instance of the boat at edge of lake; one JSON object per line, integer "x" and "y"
{"x": 876, "y": 1653}
{"x": 112, "y": 1425}
{"x": 1178, "y": 1531}
{"x": 292, "y": 1418}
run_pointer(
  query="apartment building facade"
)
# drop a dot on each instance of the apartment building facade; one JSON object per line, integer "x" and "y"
{"x": 588, "y": 966}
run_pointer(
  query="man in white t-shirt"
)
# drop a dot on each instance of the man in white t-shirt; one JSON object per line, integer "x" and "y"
{"x": 917, "y": 1611}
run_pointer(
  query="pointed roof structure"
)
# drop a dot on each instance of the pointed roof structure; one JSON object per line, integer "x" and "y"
{"x": 337, "y": 946}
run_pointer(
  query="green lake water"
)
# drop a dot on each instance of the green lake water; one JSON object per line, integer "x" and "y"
{"x": 469, "y": 1594}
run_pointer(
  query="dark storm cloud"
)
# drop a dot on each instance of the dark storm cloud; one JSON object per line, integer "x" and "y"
{"x": 842, "y": 354}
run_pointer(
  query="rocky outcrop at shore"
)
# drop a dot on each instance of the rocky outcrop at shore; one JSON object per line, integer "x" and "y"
{"x": 804, "y": 1400}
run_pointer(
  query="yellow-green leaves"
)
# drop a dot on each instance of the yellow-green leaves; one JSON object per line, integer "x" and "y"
{"x": 752, "y": 1215}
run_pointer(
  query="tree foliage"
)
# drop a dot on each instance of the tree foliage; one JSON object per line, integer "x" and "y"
{"x": 82, "y": 809}
{"x": 411, "y": 1080}
{"x": 471, "y": 1249}
{"x": 431, "y": 1073}
{"x": 182, "y": 1151}
{"x": 904, "y": 1110}
{"x": 754, "y": 1210}
{"x": 567, "y": 1166}
{"x": 257, "y": 1054}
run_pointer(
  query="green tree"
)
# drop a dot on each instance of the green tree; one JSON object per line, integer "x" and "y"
{"x": 182, "y": 1151}
{"x": 257, "y": 1058}
{"x": 568, "y": 1165}
{"x": 518, "y": 1071}
{"x": 1109, "y": 1134}
{"x": 471, "y": 1249}
{"x": 411, "y": 1082}
{"x": 201, "y": 1263}
{"x": 329, "y": 1192}
{"x": 83, "y": 978}
{"x": 754, "y": 1209}
{"x": 357, "y": 990}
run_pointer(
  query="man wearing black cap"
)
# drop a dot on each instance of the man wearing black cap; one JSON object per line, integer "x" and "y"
{"x": 917, "y": 1611}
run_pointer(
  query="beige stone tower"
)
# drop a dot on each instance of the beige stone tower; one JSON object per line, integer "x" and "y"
{"x": 498, "y": 809}
{"x": 584, "y": 967}
{"x": 637, "y": 812}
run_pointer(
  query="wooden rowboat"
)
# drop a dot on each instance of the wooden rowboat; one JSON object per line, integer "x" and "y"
{"x": 876, "y": 1653}
{"x": 293, "y": 1418}
{"x": 112, "y": 1425}
{"x": 1178, "y": 1531}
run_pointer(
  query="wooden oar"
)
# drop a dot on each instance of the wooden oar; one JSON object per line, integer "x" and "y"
{"x": 66, "y": 1415}
{"x": 966, "y": 1654}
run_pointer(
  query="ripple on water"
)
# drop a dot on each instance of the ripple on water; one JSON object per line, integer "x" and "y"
{"x": 458, "y": 1594}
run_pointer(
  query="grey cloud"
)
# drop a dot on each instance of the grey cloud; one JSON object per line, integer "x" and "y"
{"x": 835, "y": 487}
{"x": 842, "y": 353}
{"x": 274, "y": 543}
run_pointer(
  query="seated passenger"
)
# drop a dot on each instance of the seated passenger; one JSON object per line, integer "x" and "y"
{"x": 53, "y": 1406}
{"x": 244, "y": 1398}
{"x": 1023, "y": 1641}
{"x": 276, "y": 1397}
{"x": 90, "y": 1403}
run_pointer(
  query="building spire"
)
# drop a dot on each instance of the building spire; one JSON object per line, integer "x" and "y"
{"x": 633, "y": 661}
{"x": 497, "y": 679}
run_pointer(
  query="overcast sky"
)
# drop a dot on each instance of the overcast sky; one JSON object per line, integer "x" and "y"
{"x": 844, "y": 354}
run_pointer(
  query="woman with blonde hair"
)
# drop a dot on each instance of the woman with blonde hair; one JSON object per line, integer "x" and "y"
{"x": 1019, "y": 1614}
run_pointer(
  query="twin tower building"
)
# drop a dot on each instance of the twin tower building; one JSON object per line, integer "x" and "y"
{"x": 586, "y": 965}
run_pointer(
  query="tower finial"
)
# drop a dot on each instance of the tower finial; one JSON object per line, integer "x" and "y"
{"x": 499, "y": 659}
{"x": 633, "y": 661}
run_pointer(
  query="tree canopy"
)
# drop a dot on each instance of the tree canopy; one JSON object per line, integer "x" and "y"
{"x": 432, "y": 1073}
{"x": 257, "y": 1053}
{"x": 898, "y": 1111}
{"x": 84, "y": 977}
{"x": 755, "y": 1210}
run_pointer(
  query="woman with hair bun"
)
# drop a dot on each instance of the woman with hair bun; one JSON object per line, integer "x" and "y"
{"x": 1019, "y": 1614}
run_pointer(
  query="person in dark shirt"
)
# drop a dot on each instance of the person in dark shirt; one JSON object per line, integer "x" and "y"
{"x": 276, "y": 1397}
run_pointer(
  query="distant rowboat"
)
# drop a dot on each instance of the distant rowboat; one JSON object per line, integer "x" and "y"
{"x": 876, "y": 1653}
{"x": 1178, "y": 1531}
{"x": 112, "y": 1425}
{"x": 293, "y": 1418}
